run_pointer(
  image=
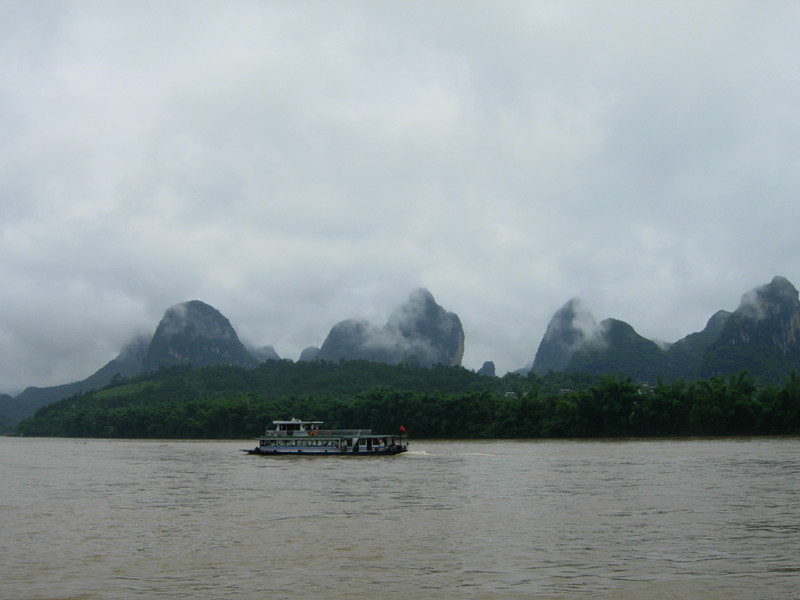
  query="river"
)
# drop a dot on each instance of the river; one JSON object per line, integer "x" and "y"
{"x": 654, "y": 519}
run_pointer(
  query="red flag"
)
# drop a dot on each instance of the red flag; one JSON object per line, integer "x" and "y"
{"x": 403, "y": 429}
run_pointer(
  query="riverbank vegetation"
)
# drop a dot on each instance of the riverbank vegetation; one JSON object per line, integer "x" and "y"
{"x": 439, "y": 402}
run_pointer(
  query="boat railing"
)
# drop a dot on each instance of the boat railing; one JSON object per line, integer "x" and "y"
{"x": 347, "y": 432}
{"x": 325, "y": 432}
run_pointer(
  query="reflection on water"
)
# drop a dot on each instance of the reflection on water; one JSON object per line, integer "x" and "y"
{"x": 569, "y": 519}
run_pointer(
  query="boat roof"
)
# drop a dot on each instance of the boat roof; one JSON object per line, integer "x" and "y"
{"x": 296, "y": 422}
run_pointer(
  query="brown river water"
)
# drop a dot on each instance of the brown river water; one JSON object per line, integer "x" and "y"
{"x": 125, "y": 519}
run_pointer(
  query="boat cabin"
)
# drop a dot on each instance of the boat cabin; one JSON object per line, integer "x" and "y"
{"x": 295, "y": 427}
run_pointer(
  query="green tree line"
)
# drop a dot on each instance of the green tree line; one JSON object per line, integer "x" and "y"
{"x": 442, "y": 402}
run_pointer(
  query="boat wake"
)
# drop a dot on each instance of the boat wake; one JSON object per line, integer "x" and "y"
{"x": 418, "y": 453}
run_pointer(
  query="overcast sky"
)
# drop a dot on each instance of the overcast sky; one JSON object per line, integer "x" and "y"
{"x": 294, "y": 164}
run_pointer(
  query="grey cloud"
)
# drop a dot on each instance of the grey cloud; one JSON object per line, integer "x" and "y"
{"x": 295, "y": 164}
{"x": 750, "y": 306}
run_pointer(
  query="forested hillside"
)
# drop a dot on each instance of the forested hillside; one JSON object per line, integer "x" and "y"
{"x": 437, "y": 402}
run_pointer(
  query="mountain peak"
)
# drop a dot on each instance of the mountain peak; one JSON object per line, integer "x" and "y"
{"x": 570, "y": 328}
{"x": 198, "y": 334}
{"x": 419, "y": 331}
{"x": 762, "y": 336}
{"x": 771, "y": 299}
{"x": 197, "y": 318}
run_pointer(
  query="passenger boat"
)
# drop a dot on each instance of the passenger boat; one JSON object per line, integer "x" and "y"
{"x": 308, "y": 438}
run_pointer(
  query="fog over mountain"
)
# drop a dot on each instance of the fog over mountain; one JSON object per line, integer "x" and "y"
{"x": 264, "y": 353}
{"x": 419, "y": 331}
{"x": 197, "y": 334}
{"x": 571, "y": 327}
{"x": 761, "y": 336}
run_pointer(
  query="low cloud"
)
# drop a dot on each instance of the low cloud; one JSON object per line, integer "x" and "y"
{"x": 419, "y": 330}
{"x": 750, "y": 306}
{"x": 573, "y": 325}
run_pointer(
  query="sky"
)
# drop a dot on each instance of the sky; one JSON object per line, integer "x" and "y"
{"x": 294, "y": 164}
